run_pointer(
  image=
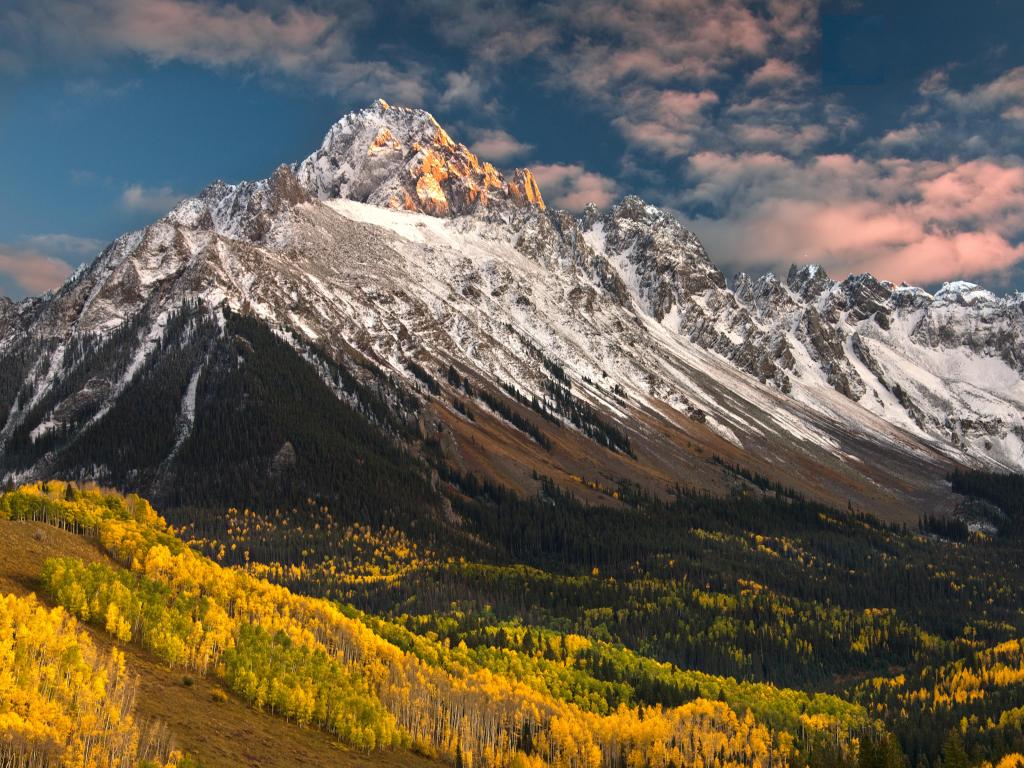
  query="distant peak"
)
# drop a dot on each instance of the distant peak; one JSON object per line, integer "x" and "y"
{"x": 964, "y": 292}
{"x": 807, "y": 280}
{"x": 806, "y": 272}
{"x": 381, "y": 105}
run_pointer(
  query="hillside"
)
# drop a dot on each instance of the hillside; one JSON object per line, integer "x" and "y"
{"x": 467, "y": 681}
{"x": 216, "y": 733}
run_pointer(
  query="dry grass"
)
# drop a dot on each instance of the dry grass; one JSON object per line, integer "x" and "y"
{"x": 218, "y": 729}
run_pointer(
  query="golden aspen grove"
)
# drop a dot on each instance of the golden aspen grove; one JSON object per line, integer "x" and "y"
{"x": 483, "y": 692}
{"x": 62, "y": 702}
{"x": 308, "y": 661}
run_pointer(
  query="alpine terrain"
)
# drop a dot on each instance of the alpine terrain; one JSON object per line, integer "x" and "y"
{"x": 524, "y": 340}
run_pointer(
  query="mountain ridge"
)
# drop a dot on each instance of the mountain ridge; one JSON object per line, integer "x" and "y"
{"x": 606, "y": 320}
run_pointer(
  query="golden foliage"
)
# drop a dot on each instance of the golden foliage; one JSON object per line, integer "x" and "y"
{"x": 62, "y": 702}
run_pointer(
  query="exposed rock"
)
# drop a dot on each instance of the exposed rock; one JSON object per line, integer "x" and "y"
{"x": 398, "y": 157}
{"x": 523, "y": 188}
{"x": 808, "y": 281}
{"x": 284, "y": 459}
{"x": 623, "y": 298}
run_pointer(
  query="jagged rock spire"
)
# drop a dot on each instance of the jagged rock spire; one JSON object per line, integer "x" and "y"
{"x": 398, "y": 157}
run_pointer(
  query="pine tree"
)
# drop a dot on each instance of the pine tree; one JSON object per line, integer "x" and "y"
{"x": 953, "y": 753}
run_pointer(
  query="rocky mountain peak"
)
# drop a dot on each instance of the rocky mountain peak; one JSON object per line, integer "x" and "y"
{"x": 808, "y": 281}
{"x": 401, "y": 158}
{"x": 624, "y": 294}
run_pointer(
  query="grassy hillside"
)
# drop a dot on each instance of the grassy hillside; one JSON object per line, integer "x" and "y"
{"x": 377, "y": 686}
{"x": 197, "y": 715}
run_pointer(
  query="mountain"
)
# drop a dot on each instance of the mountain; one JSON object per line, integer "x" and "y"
{"x": 392, "y": 296}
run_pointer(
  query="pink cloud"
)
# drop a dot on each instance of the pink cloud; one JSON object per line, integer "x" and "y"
{"x": 274, "y": 38}
{"x": 979, "y": 192}
{"x": 215, "y": 34}
{"x": 1015, "y": 114}
{"x": 666, "y": 122}
{"x": 498, "y": 146}
{"x": 898, "y": 219}
{"x": 910, "y": 136}
{"x": 572, "y": 186}
{"x": 656, "y": 41}
{"x": 32, "y": 271}
{"x": 946, "y": 257}
{"x": 792, "y": 139}
{"x": 776, "y": 71}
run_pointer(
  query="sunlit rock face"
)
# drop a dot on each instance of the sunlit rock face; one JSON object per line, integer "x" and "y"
{"x": 402, "y": 158}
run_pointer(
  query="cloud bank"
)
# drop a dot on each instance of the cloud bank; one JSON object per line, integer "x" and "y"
{"x": 716, "y": 102}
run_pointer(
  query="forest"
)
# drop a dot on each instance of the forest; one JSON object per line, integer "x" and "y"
{"x": 64, "y": 702}
{"x": 755, "y": 630}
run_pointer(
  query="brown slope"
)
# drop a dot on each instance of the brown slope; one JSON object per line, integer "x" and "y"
{"x": 895, "y": 485}
{"x": 220, "y": 734}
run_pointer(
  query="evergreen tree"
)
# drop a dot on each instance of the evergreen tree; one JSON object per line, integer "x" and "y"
{"x": 953, "y": 753}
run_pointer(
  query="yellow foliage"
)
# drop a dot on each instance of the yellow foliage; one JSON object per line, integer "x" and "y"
{"x": 61, "y": 700}
{"x": 477, "y": 711}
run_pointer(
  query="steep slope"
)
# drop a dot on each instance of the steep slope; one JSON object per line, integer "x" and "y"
{"x": 947, "y": 367}
{"x": 219, "y": 731}
{"x": 454, "y": 312}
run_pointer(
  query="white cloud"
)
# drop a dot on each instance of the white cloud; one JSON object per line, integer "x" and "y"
{"x": 152, "y": 199}
{"x": 66, "y": 246}
{"x": 1006, "y": 89}
{"x": 465, "y": 89}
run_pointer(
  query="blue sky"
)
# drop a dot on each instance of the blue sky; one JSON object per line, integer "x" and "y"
{"x": 867, "y": 136}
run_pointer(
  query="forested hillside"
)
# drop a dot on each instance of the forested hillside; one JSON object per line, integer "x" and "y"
{"x": 550, "y": 639}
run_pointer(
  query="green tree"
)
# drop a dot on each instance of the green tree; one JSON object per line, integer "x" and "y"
{"x": 953, "y": 753}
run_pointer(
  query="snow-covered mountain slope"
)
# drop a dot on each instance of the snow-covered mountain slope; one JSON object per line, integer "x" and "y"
{"x": 591, "y": 349}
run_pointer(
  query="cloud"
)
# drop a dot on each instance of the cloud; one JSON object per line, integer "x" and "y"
{"x": 164, "y": 30}
{"x": 919, "y": 221}
{"x": 498, "y": 146}
{"x": 150, "y": 199}
{"x": 467, "y": 89}
{"x": 1016, "y": 114}
{"x": 31, "y": 271}
{"x": 910, "y": 136}
{"x": 1006, "y": 89}
{"x": 973, "y": 120}
{"x": 69, "y": 247}
{"x": 267, "y": 37}
{"x": 792, "y": 139}
{"x": 41, "y": 262}
{"x": 572, "y": 186}
{"x": 93, "y": 89}
{"x": 493, "y": 33}
{"x": 666, "y": 122}
{"x": 598, "y": 44}
{"x": 774, "y": 72}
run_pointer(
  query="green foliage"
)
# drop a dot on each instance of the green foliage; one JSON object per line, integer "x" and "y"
{"x": 306, "y": 686}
